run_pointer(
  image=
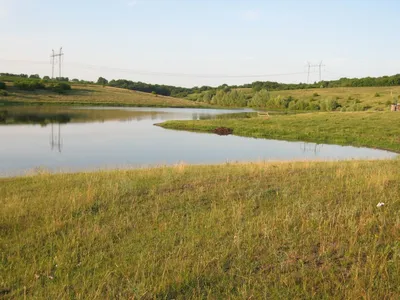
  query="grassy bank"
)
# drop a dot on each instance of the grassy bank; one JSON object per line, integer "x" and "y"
{"x": 371, "y": 98}
{"x": 369, "y": 129}
{"x": 93, "y": 95}
{"x": 275, "y": 230}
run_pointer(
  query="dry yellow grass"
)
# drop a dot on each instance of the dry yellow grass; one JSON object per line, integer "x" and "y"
{"x": 96, "y": 95}
{"x": 235, "y": 231}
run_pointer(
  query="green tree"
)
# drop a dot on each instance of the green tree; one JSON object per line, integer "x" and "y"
{"x": 207, "y": 97}
{"x": 219, "y": 98}
{"x": 237, "y": 98}
{"x": 102, "y": 81}
{"x": 260, "y": 99}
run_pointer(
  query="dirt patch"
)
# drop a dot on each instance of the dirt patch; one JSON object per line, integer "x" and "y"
{"x": 223, "y": 131}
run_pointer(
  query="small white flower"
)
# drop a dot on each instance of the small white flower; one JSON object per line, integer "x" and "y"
{"x": 380, "y": 204}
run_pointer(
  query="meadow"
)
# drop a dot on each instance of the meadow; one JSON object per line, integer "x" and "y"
{"x": 262, "y": 230}
{"x": 368, "y": 129}
{"x": 93, "y": 95}
{"x": 370, "y": 98}
{"x": 310, "y": 99}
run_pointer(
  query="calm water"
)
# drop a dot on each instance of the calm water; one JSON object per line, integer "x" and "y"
{"x": 110, "y": 138}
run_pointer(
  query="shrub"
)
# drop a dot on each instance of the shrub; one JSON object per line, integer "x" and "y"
{"x": 330, "y": 104}
{"x": 2, "y": 85}
{"x": 377, "y": 94}
{"x": 3, "y": 93}
{"x": 313, "y": 106}
{"x": 60, "y": 87}
{"x": 29, "y": 85}
{"x": 315, "y": 95}
{"x": 389, "y": 102}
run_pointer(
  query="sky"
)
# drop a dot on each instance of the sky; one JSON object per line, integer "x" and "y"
{"x": 201, "y": 42}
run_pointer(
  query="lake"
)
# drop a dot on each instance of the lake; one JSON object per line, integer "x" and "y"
{"x": 74, "y": 139}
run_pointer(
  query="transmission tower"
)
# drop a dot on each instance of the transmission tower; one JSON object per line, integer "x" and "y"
{"x": 319, "y": 66}
{"x": 53, "y": 57}
{"x": 55, "y": 139}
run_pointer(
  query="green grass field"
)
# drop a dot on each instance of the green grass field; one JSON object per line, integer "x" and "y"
{"x": 368, "y": 129}
{"x": 263, "y": 230}
{"x": 374, "y": 98}
{"x": 94, "y": 95}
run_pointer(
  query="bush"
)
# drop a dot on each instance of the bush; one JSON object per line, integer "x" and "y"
{"x": 377, "y": 95}
{"x": 389, "y": 102}
{"x": 330, "y": 104}
{"x": 2, "y": 85}
{"x": 315, "y": 95}
{"x": 3, "y": 93}
{"x": 29, "y": 85}
{"x": 60, "y": 87}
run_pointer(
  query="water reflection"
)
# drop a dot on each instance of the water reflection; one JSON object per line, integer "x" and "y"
{"x": 311, "y": 147}
{"x": 73, "y": 139}
{"x": 10, "y": 116}
{"x": 55, "y": 139}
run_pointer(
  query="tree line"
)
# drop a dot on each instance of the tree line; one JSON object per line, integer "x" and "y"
{"x": 263, "y": 99}
{"x": 182, "y": 92}
{"x": 160, "y": 89}
{"x": 34, "y": 82}
{"x": 342, "y": 82}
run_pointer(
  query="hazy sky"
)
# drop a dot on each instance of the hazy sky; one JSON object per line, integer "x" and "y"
{"x": 201, "y": 42}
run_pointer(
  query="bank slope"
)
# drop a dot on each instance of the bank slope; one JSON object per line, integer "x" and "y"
{"x": 368, "y": 129}
{"x": 93, "y": 95}
{"x": 274, "y": 230}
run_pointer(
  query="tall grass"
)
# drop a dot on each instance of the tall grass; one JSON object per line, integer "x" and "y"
{"x": 369, "y": 129}
{"x": 262, "y": 230}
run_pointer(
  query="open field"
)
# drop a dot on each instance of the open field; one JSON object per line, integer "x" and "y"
{"x": 262, "y": 230}
{"x": 373, "y": 98}
{"x": 93, "y": 95}
{"x": 369, "y": 129}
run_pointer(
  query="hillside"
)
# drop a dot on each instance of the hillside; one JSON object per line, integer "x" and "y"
{"x": 313, "y": 99}
{"x": 370, "y": 98}
{"x": 88, "y": 94}
{"x": 234, "y": 231}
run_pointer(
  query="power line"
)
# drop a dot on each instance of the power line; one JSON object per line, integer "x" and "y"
{"x": 167, "y": 74}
